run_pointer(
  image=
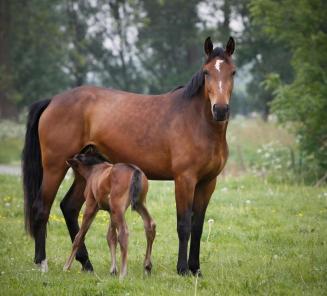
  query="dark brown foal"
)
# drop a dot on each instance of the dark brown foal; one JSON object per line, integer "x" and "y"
{"x": 113, "y": 188}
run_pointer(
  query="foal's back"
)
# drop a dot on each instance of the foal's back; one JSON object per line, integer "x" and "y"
{"x": 111, "y": 184}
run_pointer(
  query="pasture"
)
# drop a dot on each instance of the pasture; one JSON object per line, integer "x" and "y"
{"x": 266, "y": 239}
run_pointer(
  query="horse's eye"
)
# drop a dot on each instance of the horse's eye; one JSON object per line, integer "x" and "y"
{"x": 205, "y": 72}
{"x": 233, "y": 73}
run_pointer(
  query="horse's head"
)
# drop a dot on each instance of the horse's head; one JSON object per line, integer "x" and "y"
{"x": 219, "y": 72}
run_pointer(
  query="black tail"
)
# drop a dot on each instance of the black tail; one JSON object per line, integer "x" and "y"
{"x": 136, "y": 187}
{"x": 32, "y": 163}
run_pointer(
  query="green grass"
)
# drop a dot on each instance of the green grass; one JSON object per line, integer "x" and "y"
{"x": 266, "y": 239}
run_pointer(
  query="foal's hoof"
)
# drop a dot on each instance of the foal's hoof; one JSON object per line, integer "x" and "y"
{"x": 113, "y": 271}
{"x": 87, "y": 266}
{"x": 43, "y": 266}
{"x": 66, "y": 268}
{"x": 148, "y": 268}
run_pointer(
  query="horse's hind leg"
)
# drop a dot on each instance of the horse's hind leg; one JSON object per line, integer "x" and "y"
{"x": 41, "y": 210}
{"x": 150, "y": 233}
{"x": 71, "y": 206}
{"x": 112, "y": 243}
{"x": 89, "y": 214}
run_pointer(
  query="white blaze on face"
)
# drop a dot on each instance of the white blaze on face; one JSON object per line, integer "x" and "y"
{"x": 217, "y": 65}
{"x": 220, "y": 87}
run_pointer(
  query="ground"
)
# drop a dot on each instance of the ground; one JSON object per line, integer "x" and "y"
{"x": 266, "y": 239}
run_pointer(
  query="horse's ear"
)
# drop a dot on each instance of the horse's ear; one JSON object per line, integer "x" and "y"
{"x": 208, "y": 46}
{"x": 230, "y": 47}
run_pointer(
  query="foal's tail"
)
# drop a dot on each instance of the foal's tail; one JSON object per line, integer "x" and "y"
{"x": 32, "y": 163}
{"x": 136, "y": 187}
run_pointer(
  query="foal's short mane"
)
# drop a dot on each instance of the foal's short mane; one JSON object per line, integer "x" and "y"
{"x": 91, "y": 156}
{"x": 197, "y": 80}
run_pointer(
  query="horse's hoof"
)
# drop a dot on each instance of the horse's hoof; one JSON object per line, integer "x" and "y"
{"x": 183, "y": 271}
{"x": 196, "y": 272}
{"x": 43, "y": 266}
{"x": 87, "y": 266}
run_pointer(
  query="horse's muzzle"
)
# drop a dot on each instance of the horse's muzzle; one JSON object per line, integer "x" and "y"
{"x": 220, "y": 112}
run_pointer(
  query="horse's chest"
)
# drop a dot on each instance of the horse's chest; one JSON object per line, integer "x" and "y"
{"x": 214, "y": 160}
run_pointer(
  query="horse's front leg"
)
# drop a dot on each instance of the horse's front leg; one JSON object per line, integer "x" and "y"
{"x": 202, "y": 195}
{"x": 71, "y": 206}
{"x": 184, "y": 193}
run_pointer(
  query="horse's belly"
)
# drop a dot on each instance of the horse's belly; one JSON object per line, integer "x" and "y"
{"x": 154, "y": 162}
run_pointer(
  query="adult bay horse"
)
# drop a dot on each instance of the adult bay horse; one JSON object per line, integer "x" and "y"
{"x": 180, "y": 136}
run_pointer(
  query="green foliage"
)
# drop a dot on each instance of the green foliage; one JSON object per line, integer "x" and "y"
{"x": 303, "y": 101}
{"x": 169, "y": 40}
{"x": 263, "y": 56}
{"x": 37, "y": 50}
{"x": 266, "y": 239}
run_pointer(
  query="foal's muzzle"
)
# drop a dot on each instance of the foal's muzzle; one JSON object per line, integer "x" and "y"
{"x": 220, "y": 112}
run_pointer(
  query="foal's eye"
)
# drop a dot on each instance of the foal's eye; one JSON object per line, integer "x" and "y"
{"x": 233, "y": 73}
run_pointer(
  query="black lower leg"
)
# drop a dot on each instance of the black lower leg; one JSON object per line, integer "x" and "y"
{"x": 40, "y": 234}
{"x": 197, "y": 227}
{"x": 184, "y": 230}
{"x": 70, "y": 206}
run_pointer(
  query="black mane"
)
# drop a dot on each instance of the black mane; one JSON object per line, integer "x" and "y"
{"x": 197, "y": 80}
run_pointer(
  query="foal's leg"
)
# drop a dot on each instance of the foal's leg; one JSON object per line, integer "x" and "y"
{"x": 71, "y": 206}
{"x": 150, "y": 233}
{"x": 112, "y": 243}
{"x": 184, "y": 194}
{"x": 202, "y": 197}
{"x": 119, "y": 220}
{"x": 89, "y": 214}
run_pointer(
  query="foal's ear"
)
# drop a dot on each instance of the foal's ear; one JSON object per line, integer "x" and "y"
{"x": 230, "y": 47}
{"x": 89, "y": 149}
{"x": 208, "y": 46}
{"x": 72, "y": 162}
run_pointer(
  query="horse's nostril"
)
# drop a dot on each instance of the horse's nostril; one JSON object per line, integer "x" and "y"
{"x": 220, "y": 108}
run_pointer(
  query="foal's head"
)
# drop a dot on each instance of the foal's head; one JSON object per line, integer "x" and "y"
{"x": 84, "y": 161}
{"x": 219, "y": 71}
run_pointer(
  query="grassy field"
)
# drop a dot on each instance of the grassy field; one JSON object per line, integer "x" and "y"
{"x": 266, "y": 239}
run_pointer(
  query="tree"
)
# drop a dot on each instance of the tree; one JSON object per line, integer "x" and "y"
{"x": 33, "y": 51}
{"x": 261, "y": 56}
{"x": 302, "y": 101}
{"x": 170, "y": 44}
